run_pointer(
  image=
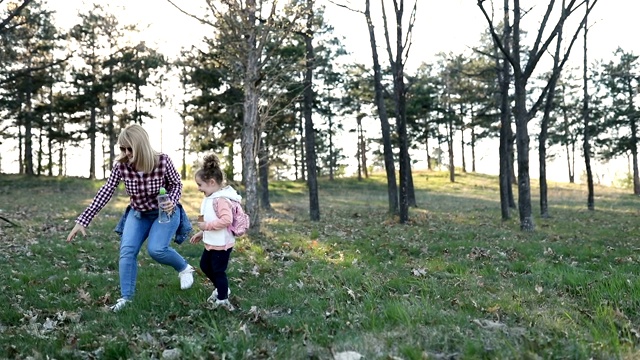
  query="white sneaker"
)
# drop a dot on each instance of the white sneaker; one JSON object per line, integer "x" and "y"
{"x": 186, "y": 277}
{"x": 119, "y": 305}
{"x": 224, "y": 304}
{"x": 214, "y": 295}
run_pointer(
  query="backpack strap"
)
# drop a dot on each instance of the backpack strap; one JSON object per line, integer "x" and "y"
{"x": 215, "y": 206}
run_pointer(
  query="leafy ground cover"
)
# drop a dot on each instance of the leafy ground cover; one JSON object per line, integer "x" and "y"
{"x": 455, "y": 283}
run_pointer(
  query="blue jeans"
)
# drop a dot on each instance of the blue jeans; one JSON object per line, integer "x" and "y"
{"x": 138, "y": 227}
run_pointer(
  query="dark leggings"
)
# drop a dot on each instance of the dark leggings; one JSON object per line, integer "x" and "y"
{"x": 213, "y": 263}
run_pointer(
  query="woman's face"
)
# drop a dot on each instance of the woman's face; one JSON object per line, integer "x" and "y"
{"x": 128, "y": 151}
{"x": 207, "y": 187}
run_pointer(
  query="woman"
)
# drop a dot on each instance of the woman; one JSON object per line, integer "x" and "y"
{"x": 144, "y": 172}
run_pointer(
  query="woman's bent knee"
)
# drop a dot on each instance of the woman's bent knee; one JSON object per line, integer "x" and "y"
{"x": 157, "y": 253}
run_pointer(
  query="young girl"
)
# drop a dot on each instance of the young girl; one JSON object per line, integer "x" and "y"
{"x": 215, "y": 218}
{"x": 143, "y": 171}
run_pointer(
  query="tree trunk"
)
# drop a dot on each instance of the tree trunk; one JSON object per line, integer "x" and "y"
{"x": 229, "y": 169}
{"x": 332, "y": 152}
{"x": 250, "y": 125}
{"x": 542, "y": 156}
{"x": 309, "y": 132}
{"x": 263, "y": 165}
{"x": 111, "y": 128}
{"x": 61, "y": 165}
{"x": 504, "y": 80}
{"x": 452, "y": 168}
{"x": 303, "y": 156}
{"x": 586, "y": 145}
{"x": 39, "y": 157}
{"x": 411, "y": 191}
{"x": 407, "y": 198}
{"x": 183, "y": 171}
{"x": 363, "y": 152}
{"x": 634, "y": 154}
{"x": 92, "y": 142}
{"x": 462, "y": 157}
{"x": 544, "y": 126}
{"x": 522, "y": 144}
{"x": 542, "y": 150}
{"x": 404, "y": 159}
{"x": 392, "y": 187}
{"x": 248, "y": 143}
{"x": 504, "y": 177}
{"x": 28, "y": 134}
{"x": 511, "y": 138}
{"x": 50, "y": 132}
{"x": 522, "y": 130}
{"x": 426, "y": 144}
{"x": 360, "y": 149}
{"x": 569, "y": 151}
{"x": 473, "y": 150}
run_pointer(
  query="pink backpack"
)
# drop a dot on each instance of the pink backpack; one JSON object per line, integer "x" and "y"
{"x": 240, "y": 222}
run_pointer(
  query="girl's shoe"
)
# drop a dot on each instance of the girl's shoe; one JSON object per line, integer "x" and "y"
{"x": 119, "y": 305}
{"x": 225, "y": 304}
{"x": 214, "y": 295}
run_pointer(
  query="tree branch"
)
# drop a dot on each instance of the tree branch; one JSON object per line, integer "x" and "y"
{"x": 556, "y": 71}
{"x": 15, "y": 12}
{"x": 535, "y": 56}
{"x": 386, "y": 37}
{"x": 201, "y": 20}
{"x": 495, "y": 36}
{"x": 9, "y": 221}
{"x": 412, "y": 20}
{"x": 345, "y": 7}
{"x": 22, "y": 72}
{"x": 543, "y": 24}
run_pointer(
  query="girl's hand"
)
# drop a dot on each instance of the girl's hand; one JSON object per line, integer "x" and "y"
{"x": 196, "y": 238}
{"x": 202, "y": 225}
{"x": 75, "y": 230}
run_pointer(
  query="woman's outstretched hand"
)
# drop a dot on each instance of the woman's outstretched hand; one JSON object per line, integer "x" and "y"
{"x": 74, "y": 232}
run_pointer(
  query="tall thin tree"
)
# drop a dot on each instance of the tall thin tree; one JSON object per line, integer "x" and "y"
{"x": 309, "y": 132}
{"x": 586, "y": 139}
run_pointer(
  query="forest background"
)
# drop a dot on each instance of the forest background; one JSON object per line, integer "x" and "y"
{"x": 275, "y": 79}
{"x": 567, "y": 290}
{"x": 443, "y": 27}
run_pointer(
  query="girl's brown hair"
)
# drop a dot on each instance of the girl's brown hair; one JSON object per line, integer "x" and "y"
{"x": 211, "y": 169}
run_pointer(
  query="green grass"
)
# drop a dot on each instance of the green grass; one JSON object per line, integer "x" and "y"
{"x": 455, "y": 283}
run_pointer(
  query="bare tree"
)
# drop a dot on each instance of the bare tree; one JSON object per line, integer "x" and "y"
{"x": 506, "y": 133}
{"x": 544, "y": 125}
{"x": 397, "y": 61}
{"x": 523, "y": 66}
{"x": 389, "y": 166}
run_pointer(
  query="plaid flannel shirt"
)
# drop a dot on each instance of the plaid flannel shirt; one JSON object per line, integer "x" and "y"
{"x": 143, "y": 189}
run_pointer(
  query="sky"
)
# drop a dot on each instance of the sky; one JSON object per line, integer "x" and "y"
{"x": 441, "y": 26}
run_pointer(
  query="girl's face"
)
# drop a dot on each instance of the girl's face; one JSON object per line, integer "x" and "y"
{"x": 207, "y": 187}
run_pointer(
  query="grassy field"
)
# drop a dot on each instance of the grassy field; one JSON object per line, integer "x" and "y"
{"x": 455, "y": 283}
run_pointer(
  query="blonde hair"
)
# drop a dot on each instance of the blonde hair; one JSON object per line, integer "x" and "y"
{"x": 144, "y": 157}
